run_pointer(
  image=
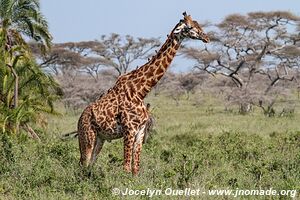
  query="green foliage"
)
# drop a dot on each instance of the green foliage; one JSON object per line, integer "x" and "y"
{"x": 191, "y": 149}
{"x": 7, "y": 155}
{"x": 186, "y": 170}
{"x": 37, "y": 92}
{"x": 23, "y": 17}
{"x": 25, "y": 91}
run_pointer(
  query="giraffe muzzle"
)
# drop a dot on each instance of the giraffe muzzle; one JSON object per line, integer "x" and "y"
{"x": 204, "y": 37}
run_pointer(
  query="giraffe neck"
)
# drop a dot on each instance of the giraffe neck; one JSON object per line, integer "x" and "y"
{"x": 147, "y": 76}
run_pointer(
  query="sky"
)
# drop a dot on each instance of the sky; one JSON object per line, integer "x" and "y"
{"x": 78, "y": 20}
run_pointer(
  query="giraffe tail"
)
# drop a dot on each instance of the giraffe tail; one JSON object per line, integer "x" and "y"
{"x": 70, "y": 135}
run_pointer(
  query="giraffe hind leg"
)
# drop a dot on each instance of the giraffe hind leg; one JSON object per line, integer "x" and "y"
{"x": 87, "y": 141}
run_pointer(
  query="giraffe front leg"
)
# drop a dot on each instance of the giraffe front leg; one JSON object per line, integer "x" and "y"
{"x": 138, "y": 143}
{"x": 97, "y": 148}
{"x": 136, "y": 158}
{"x": 128, "y": 147}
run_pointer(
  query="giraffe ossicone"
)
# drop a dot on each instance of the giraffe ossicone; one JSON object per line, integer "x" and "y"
{"x": 121, "y": 111}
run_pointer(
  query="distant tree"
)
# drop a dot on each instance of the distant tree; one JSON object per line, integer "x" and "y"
{"x": 83, "y": 74}
{"x": 81, "y": 90}
{"x": 189, "y": 81}
{"x": 75, "y": 64}
{"x": 171, "y": 87}
{"x": 246, "y": 46}
{"x": 111, "y": 51}
{"x": 120, "y": 53}
{"x": 66, "y": 58}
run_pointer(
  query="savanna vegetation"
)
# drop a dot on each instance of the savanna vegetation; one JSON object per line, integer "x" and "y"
{"x": 230, "y": 122}
{"x": 191, "y": 146}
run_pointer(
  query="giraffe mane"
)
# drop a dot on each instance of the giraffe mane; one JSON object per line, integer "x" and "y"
{"x": 197, "y": 24}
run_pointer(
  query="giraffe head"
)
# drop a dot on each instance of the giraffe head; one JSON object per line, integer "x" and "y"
{"x": 188, "y": 28}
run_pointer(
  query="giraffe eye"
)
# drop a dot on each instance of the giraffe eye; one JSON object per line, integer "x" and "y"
{"x": 188, "y": 27}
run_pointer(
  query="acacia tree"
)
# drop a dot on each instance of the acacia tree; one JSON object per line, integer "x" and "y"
{"x": 82, "y": 74}
{"x": 246, "y": 46}
{"x": 88, "y": 68}
{"x": 121, "y": 52}
{"x": 66, "y": 58}
{"x": 113, "y": 51}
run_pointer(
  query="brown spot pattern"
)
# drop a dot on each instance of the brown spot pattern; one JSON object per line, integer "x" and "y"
{"x": 121, "y": 111}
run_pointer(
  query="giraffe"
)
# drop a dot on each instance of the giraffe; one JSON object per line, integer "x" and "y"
{"x": 121, "y": 111}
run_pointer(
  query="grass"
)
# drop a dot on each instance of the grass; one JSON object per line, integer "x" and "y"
{"x": 198, "y": 147}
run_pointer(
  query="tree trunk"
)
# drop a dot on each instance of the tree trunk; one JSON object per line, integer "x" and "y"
{"x": 16, "y": 129}
{"x": 16, "y": 87}
{"x": 245, "y": 108}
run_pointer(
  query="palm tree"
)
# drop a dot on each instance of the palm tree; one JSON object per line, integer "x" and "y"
{"x": 19, "y": 18}
{"x": 23, "y": 18}
{"x": 37, "y": 92}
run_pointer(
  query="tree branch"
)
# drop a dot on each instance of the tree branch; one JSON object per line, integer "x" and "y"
{"x": 30, "y": 132}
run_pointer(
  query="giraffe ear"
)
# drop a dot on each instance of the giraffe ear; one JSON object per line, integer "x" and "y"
{"x": 184, "y": 14}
